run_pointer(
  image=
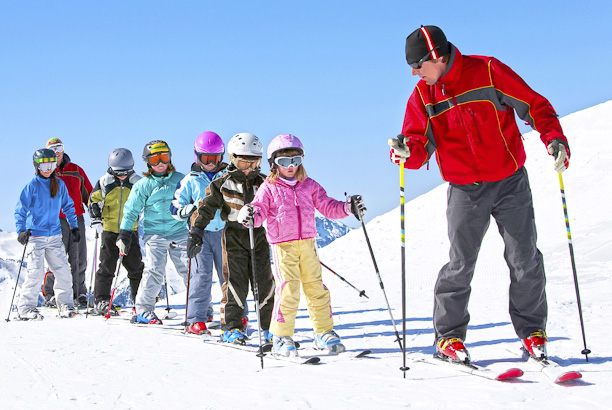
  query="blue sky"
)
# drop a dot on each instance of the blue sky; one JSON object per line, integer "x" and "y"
{"x": 107, "y": 74}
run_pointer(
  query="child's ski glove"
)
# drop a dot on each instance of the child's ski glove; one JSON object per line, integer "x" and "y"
{"x": 23, "y": 237}
{"x": 124, "y": 240}
{"x": 97, "y": 225}
{"x": 398, "y": 151}
{"x": 245, "y": 215}
{"x": 561, "y": 152}
{"x": 186, "y": 211}
{"x": 194, "y": 241}
{"x": 356, "y": 205}
{"x": 76, "y": 234}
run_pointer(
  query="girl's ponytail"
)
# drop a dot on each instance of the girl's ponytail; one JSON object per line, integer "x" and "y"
{"x": 54, "y": 185}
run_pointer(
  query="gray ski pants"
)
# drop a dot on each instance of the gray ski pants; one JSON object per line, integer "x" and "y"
{"x": 468, "y": 213}
{"x": 157, "y": 249}
{"x": 52, "y": 249}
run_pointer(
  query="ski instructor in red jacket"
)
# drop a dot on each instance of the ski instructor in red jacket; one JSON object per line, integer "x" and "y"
{"x": 463, "y": 110}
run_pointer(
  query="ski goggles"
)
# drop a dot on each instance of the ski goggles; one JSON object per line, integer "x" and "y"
{"x": 47, "y": 166}
{"x": 287, "y": 162}
{"x": 57, "y": 147}
{"x": 155, "y": 159}
{"x": 121, "y": 172}
{"x": 426, "y": 57}
{"x": 209, "y": 158}
{"x": 244, "y": 163}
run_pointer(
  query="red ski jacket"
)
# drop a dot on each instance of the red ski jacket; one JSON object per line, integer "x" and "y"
{"x": 467, "y": 119}
{"x": 79, "y": 187}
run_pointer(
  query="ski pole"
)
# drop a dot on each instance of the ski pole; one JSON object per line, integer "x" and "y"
{"x": 361, "y": 292}
{"x": 382, "y": 287}
{"x": 107, "y": 315}
{"x": 585, "y": 351}
{"x": 8, "y": 317}
{"x": 404, "y": 368}
{"x": 93, "y": 271}
{"x": 255, "y": 287}
{"x": 174, "y": 245}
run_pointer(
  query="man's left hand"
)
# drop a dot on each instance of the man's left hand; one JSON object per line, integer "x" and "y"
{"x": 559, "y": 149}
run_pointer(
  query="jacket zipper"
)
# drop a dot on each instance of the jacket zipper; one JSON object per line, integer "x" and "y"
{"x": 299, "y": 216}
{"x": 120, "y": 207}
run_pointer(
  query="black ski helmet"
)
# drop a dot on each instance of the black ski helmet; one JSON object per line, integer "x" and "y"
{"x": 120, "y": 159}
{"x": 43, "y": 155}
{"x": 155, "y": 147}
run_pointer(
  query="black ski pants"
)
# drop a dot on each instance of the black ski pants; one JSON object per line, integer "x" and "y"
{"x": 237, "y": 271}
{"x": 469, "y": 212}
{"x": 109, "y": 254}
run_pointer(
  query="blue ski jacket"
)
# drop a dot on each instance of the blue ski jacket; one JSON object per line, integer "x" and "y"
{"x": 39, "y": 213}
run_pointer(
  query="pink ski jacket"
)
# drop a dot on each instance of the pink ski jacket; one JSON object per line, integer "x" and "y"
{"x": 290, "y": 210}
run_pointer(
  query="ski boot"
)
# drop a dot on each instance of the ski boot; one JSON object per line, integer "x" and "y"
{"x": 234, "y": 336}
{"x": 149, "y": 318}
{"x": 67, "y": 312}
{"x": 31, "y": 314}
{"x": 198, "y": 328}
{"x": 452, "y": 349}
{"x": 329, "y": 341}
{"x": 267, "y": 336}
{"x": 101, "y": 308}
{"x": 245, "y": 324}
{"x": 284, "y": 346}
{"x": 535, "y": 345}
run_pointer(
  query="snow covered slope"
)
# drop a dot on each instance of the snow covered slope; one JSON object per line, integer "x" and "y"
{"x": 89, "y": 363}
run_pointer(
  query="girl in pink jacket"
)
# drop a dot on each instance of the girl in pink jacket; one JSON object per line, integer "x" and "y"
{"x": 288, "y": 199}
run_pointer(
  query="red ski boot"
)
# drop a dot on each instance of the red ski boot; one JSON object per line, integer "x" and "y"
{"x": 535, "y": 345}
{"x": 198, "y": 328}
{"x": 452, "y": 349}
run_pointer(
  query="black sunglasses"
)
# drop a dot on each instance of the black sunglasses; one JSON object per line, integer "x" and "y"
{"x": 426, "y": 57}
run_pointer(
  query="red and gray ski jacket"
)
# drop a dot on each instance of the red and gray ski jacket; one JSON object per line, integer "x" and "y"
{"x": 77, "y": 183}
{"x": 467, "y": 119}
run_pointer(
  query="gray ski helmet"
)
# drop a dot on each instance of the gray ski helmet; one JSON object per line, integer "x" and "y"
{"x": 120, "y": 159}
{"x": 245, "y": 143}
{"x": 43, "y": 155}
{"x": 155, "y": 147}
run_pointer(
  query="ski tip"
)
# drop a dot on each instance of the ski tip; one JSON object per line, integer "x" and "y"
{"x": 510, "y": 374}
{"x": 568, "y": 376}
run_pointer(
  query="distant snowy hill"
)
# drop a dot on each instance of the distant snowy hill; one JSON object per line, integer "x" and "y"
{"x": 329, "y": 230}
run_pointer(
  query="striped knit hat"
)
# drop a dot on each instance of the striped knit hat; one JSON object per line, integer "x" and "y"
{"x": 426, "y": 40}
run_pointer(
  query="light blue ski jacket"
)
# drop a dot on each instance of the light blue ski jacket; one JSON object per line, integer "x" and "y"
{"x": 153, "y": 195}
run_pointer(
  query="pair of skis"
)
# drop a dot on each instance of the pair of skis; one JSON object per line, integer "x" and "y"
{"x": 551, "y": 369}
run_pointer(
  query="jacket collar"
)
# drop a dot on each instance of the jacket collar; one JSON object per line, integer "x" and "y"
{"x": 453, "y": 71}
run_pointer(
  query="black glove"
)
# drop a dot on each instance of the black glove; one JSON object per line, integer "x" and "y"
{"x": 357, "y": 206}
{"x": 76, "y": 234}
{"x": 194, "y": 242}
{"x": 23, "y": 237}
{"x": 124, "y": 240}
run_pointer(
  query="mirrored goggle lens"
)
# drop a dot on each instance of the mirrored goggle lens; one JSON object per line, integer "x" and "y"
{"x": 244, "y": 164}
{"x": 287, "y": 162}
{"x": 157, "y": 158}
{"x": 47, "y": 166}
{"x": 57, "y": 148}
{"x": 210, "y": 158}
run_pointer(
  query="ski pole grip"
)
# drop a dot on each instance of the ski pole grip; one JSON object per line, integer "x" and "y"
{"x": 174, "y": 245}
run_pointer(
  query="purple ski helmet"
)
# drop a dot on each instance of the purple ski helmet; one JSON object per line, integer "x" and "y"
{"x": 208, "y": 142}
{"x": 283, "y": 141}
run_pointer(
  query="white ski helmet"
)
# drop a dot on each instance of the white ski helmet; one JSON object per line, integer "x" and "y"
{"x": 245, "y": 144}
